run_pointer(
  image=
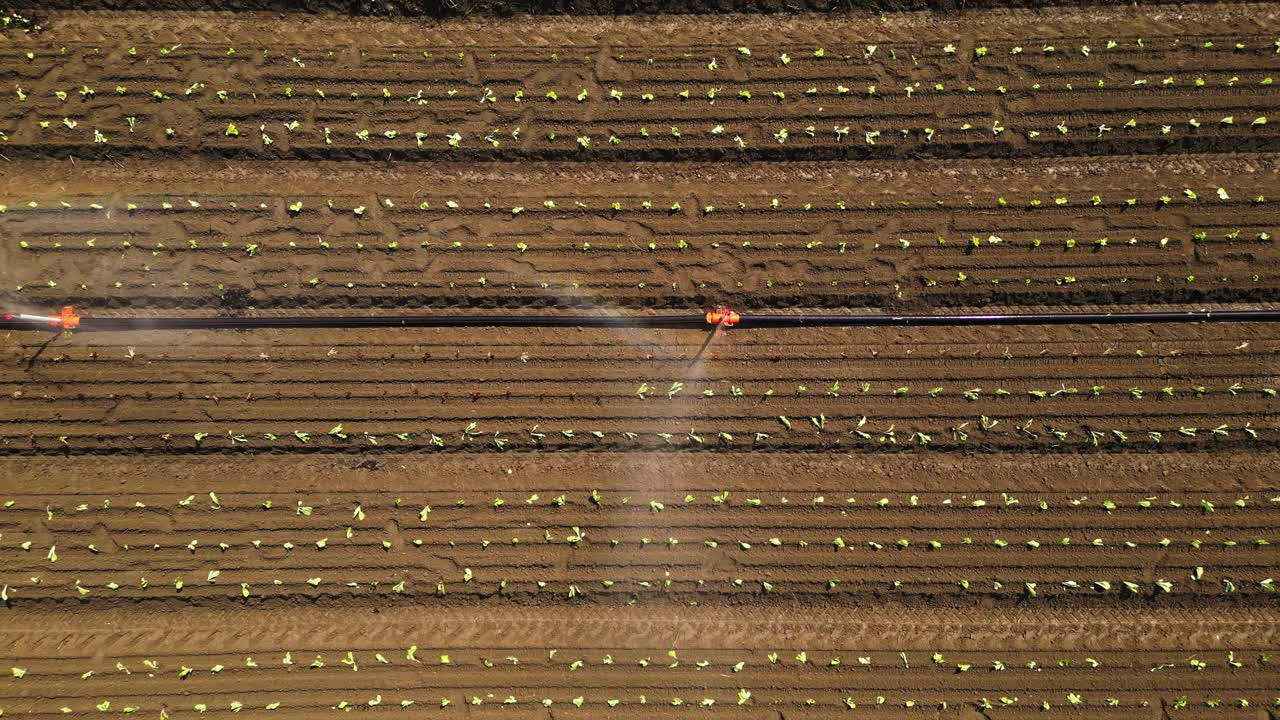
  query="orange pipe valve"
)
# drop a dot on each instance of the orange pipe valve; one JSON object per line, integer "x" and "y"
{"x": 70, "y": 320}
{"x": 723, "y": 316}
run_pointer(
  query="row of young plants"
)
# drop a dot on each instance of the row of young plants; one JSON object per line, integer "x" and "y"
{"x": 715, "y": 134}
{"x": 746, "y": 541}
{"x": 775, "y": 661}
{"x": 712, "y": 134}
{"x": 1070, "y": 701}
{"x": 990, "y": 54}
{"x": 793, "y": 382}
{"x": 1039, "y": 586}
{"x": 836, "y": 390}
{"x": 145, "y": 275}
{"x": 382, "y": 205}
{"x": 1004, "y": 502}
{"x": 859, "y": 431}
{"x": 651, "y": 285}
{"x": 447, "y": 660}
{"x": 142, "y": 279}
{"x": 1098, "y": 88}
{"x": 1198, "y": 575}
{"x": 961, "y": 278}
{"x": 577, "y": 537}
{"x": 915, "y": 243}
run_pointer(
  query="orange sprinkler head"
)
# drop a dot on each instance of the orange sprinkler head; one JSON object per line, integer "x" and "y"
{"x": 70, "y": 320}
{"x": 723, "y": 316}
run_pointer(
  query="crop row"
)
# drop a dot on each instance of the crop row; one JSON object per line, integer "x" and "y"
{"x": 917, "y": 244}
{"x": 758, "y": 521}
{"x": 602, "y": 389}
{"x": 644, "y": 583}
{"x": 736, "y": 223}
{"x": 758, "y": 205}
{"x": 197, "y": 505}
{"x": 653, "y": 287}
{"x": 768, "y": 373}
{"x": 972, "y": 248}
{"x": 1077, "y": 49}
{"x": 328, "y": 107}
{"x": 445, "y": 660}
{"x": 750, "y": 533}
{"x": 966, "y": 246}
{"x": 293, "y": 66}
{"x": 945, "y": 552}
{"x": 839, "y": 136}
{"x": 1058, "y": 406}
{"x": 830, "y": 433}
{"x": 59, "y": 109}
{"x": 944, "y": 544}
{"x": 493, "y": 539}
{"x": 465, "y": 680}
{"x": 657, "y": 700}
{"x": 467, "y": 289}
{"x": 490, "y": 79}
{"x": 802, "y": 526}
{"x": 534, "y": 247}
{"x": 54, "y": 102}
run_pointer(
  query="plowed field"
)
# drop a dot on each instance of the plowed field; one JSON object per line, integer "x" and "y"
{"x": 961, "y": 522}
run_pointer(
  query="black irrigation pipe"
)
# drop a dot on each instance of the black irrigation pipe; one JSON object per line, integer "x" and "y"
{"x": 689, "y": 321}
{"x": 1060, "y": 318}
{"x": 395, "y": 321}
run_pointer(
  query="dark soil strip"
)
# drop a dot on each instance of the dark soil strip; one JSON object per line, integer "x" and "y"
{"x": 500, "y": 8}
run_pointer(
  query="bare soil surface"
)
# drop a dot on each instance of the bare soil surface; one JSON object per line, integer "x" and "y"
{"x": 452, "y": 9}
{"x": 630, "y": 523}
